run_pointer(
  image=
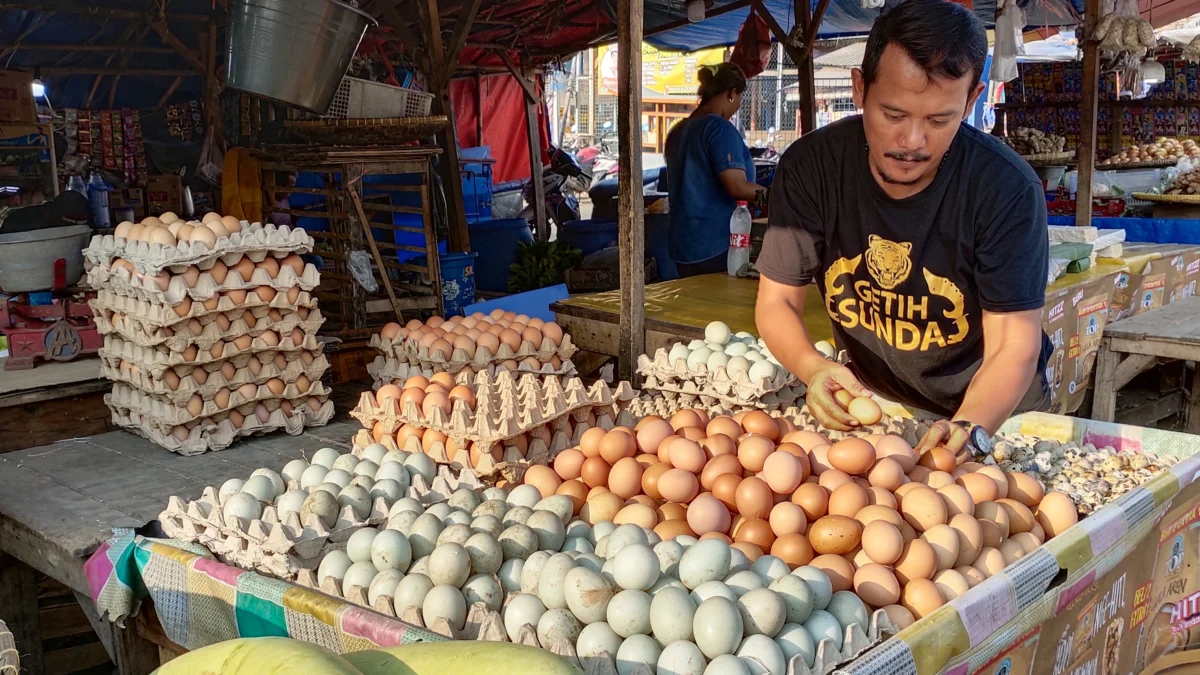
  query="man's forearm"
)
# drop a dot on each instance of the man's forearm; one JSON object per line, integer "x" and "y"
{"x": 998, "y": 387}
{"x": 783, "y": 330}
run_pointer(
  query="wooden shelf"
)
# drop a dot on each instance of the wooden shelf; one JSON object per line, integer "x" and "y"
{"x": 1123, "y": 103}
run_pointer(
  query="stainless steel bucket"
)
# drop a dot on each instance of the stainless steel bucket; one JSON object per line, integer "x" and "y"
{"x": 294, "y": 51}
{"x": 27, "y": 258}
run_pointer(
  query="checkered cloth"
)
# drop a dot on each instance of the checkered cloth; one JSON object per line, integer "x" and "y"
{"x": 201, "y": 601}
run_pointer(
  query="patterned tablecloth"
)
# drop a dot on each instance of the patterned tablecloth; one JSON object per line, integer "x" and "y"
{"x": 201, "y": 601}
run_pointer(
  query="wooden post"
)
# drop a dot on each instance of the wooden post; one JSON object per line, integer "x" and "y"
{"x": 805, "y": 86}
{"x": 1087, "y": 120}
{"x": 630, "y": 205}
{"x": 456, "y": 216}
{"x": 19, "y": 609}
{"x": 535, "y": 166}
{"x": 478, "y": 109}
{"x": 352, "y": 190}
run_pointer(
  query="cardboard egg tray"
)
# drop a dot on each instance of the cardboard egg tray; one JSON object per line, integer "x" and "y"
{"x": 148, "y": 335}
{"x": 157, "y": 315}
{"x": 412, "y": 352}
{"x": 218, "y": 434}
{"x": 288, "y": 549}
{"x": 734, "y": 387}
{"x": 157, "y": 358}
{"x": 667, "y": 403}
{"x": 487, "y": 625}
{"x": 167, "y": 412}
{"x": 215, "y": 381}
{"x": 388, "y": 369}
{"x": 692, "y": 395}
{"x": 152, "y": 258}
{"x": 122, "y": 281}
{"x": 505, "y": 407}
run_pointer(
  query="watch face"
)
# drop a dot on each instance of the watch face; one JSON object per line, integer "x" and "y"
{"x": 981, "y": 440}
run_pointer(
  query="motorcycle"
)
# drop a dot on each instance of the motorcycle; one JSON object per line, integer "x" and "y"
{"x": 562, "y": 182}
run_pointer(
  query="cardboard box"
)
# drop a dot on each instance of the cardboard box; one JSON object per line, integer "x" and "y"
{"x": 164, "y": 193}
{"x": 16, "y": 97}
{"x": 130, "y": 198}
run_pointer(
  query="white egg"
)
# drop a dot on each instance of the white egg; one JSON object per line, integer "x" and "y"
{"x": 770, "y": 568}
{"x": 754, "y": 356}
{"x": 389, "y": 489}
{"x": 557, "y": 624}
{"x": 262, "y": 488}
{"x": 717, "y": 360}
{"x": 384, "y": 585}
{"x": 290, "y": 502}
{"x": 549, "y": 529}
{"x": 698, "y": 357}
{"x": 712, "y": 589}
{"x": 532, "y": 571}
{"x": 402, "y": 522}
{"x": 743, "y": 582}
{"x": 457, "y": 533}
{"x": 629, "y": 613}
{"x": 313, "y": 476}
{"x": 665, "y": 581}
{"x": 358, "y": 547}
{"x": 762, "y": 611}
{"x": 826, "y": 348}
{"x": 587, "y": 594}
{"x": 590, "y": 560}
{"x": 494, "y": 493}
{"x": 277, "y": 481}
{"x": 524, "y": 495}
{"x": 406, "y": 504}
{"x": 334, "y": 564}
{"x": 577, "y": 544}
{"x": 671, "y": 614}
{"x": 241, "y": 505}
{"x": 636, "y": 566}
{"x": 767, "y": 656}
{"x": 229, "y": 487}
{"x": 365, "y": 482}
{"x": 449, "y": 564}
{"x": 794, "y": 640}
{"x": 390, "y": 550}
{"x": 745, "y": 337}
{"x": 524, "y": 609}
{"x": 294, "y": 469}
{"x": 694, "y": 344}
{"x": 622, "y": 536}
{"x": 518, "y": 541}
{"x": 420, "y": 464}
{"x": 716, "y": 347}
{"x": 346, "y": 463}
{"x": 717, "y": 331}
{"x": 510, "y": 575}
{"x": 737, "y": 364}
{"x": 848, "y": 608}
{"x": 359, "y": 574}
{"x": 485, "y": 553}
{"x": 365, "y": 468}
{"x": 602, "y": 529}
{"x": 796, "y": 595}
{"x": 338, "y": 477}
{"x": 763, "y": 370}
{"x": 411, "y": 591}
{"x": 559, "y": 504}
{"x": 551, "y": 582}
{"x": 682, "y": 658}
{"x": 325, "y": 457}
{"x": 394, "y": 456}
{"x": 736, "y": 349}
{"x": 423, "y": 534}
{"x": 483, "y": 588}
{"x": 488, "y": 524}
{"x": 821, "y": 625}
{"x": 444, "y": 602}
{"x": 818, "y": 583}
{"x": 491, "y": 507}
{"x": 679, "y": 352}
{"x": 357, "y": 498}
{"x": 638, "y": 650}
{"x": 708, "y": 560}
{"x": 375, "y": 452}
{"x": 717, "y": 626}
{"x": 727, "y": 664}
{"x": 597, "y": 640}
{"x": 668, "y": 553}
{"x": 738, "y": 561}
{"x": 321, "y": 505}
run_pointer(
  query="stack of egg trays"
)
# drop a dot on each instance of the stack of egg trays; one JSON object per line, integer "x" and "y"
{"x": 718, "y": 387}
{"x": 142, "y": 304}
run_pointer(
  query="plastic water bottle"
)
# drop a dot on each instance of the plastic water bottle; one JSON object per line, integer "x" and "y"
{"x": 75, "y": 184}
{"x": 98, "y": 196}
{"x": 739, "y": 239}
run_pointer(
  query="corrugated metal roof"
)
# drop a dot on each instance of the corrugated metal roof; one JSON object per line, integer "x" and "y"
{"x": 850, "y": 56}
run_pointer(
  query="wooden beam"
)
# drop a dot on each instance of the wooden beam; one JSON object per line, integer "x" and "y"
{"x": 170, "y": 90}
{"x": 630, "y": 205}
{"x": 530, "y": 92}
{"x": 433, "y": 39}
{"x": 189, "y": 55}
{"x": 19, "y": 609}
{"x": 1087, "y": 117}
{"x": 781, "y": 35}
{"x": 458, "y": 39}
{"x": 64, "y": 47}
{"x": 814, "y": 25}
{"x": 90, "y": 10}
{"x": 806, "y": 89}
{"x": 112, "y": 91}
{"x": 370, "y": 237}
{"x": 459, "y": 239}
{"x": 407, "y": 37}
{"x": 38, "y": 23}
{"x": 92, "y": 94}
{"x": 541, "y": 227}
{"x": 132, "y": 72}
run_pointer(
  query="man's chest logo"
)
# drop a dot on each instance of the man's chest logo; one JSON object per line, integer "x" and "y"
{"x": 888, "y": 261}
{"x": 934, "y": 318}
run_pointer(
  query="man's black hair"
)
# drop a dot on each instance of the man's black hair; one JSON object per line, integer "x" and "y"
{"x": 945, "y": 39}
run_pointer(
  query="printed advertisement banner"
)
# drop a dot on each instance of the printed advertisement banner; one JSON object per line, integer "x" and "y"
{"x": 665, "y": 73}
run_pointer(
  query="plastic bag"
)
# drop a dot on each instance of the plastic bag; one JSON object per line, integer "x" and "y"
{"x": 752, "y": 52}
{"x": 359, "y": 263}
{"x": 1009, "y": 43}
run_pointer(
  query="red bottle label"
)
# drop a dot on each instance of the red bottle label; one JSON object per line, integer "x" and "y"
{"x": 739, "y": 240}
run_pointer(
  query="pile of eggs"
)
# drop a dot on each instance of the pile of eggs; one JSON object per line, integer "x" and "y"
{"x": 614, "y": 591}
{"x": 479, "y": 337}
{"x": 893, "y": 527}
{"x": 170, "y": 230}
{"x": 735, "y": 352}
{"x": 262, "y": 333}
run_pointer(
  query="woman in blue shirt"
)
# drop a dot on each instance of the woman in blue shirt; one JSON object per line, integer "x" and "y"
{"x": 709, "y": 170}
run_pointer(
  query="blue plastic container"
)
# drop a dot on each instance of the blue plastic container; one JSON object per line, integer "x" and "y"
{"x": 476, "y": 182}
{"x": 590, "y": 235}
{"x": 497, "y": 242}
{"x": 458, "y": 280}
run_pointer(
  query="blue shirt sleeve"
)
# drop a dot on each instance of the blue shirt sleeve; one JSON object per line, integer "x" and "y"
{"x": 726, "y": 149}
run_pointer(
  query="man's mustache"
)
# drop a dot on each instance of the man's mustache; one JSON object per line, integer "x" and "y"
{"x": 908, "y": 156}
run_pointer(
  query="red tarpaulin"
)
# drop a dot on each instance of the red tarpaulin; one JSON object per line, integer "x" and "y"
{"x": 503, "y": 103}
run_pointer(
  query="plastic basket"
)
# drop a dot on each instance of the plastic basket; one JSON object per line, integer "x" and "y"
{"x": 360, "y": 99}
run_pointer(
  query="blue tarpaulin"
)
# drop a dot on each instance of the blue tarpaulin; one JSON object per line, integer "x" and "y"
{"x": 1146, "y": 230}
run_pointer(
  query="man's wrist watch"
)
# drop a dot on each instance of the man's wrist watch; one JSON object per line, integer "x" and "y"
{"x": 978, "y": 438}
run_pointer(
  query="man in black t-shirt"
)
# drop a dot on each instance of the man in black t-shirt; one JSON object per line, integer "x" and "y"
{"x": 926, "y": 238}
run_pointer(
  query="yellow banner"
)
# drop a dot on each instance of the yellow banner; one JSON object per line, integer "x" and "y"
{"x": 663, "y": 72}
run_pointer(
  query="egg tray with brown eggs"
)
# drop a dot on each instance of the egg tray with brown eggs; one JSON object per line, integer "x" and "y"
{"x": 179, "y": 384}
{"x": 153, "y": 365}
{"x": 170, "y": 287}
{"x": 477, "y": 341}
{"x": 937, "y": 527}
{"x": 206, "y": 330}
{"x": 147, "y": 256}
{"x": 488, "y": 410}
{"x": 390, "y": 370}
{"x": 158, "y": 357}
{"x": 219, "y": 432}
{"x": 730, "y": 386}
{"x": 233, "y": 304}
{"x": 166, "y": 413}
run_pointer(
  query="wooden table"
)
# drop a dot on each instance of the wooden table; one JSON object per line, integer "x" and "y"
{"x": 1131, "y": 345}
{"x": 50, "y": 401}
{"x": 59, "y": 502}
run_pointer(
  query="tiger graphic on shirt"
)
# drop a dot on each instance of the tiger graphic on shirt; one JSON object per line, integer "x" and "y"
{"x": 906, "y": 322}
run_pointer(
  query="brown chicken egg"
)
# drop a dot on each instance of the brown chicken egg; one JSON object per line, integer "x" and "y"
{"x": 865, "y": 410}
{"x": 248, "y": 391}
{"x": 818, "y": 459}
{"x": 625, "y": 477}
{"x": 754, "y": 498}
{"x": 595, "y": 472}
{"x": 687, "y": 455}
{"x": 918, "y": 560}
{"x": 650, "y": 478}
{"x": 921, "y": 598}
{"x": 839, "y": 570}
{"x": 725, "y": 489}
{"x": 221, "y": 398}
{"x": 753, "y": 451}
{"x": 244, "y": 268}
{"x": 812, "y": 499}
{"x": 616, "y": 445}
{"x": 982, "y": 487}
{"x": 544, "y": 479}
{"x": 835, "y": 534}
{"x": 957, "y": 500}
{"x": 787, "y": 518}
{"x": 722, "y": 424}
{"x": 847, "y": 500}
{"x": 195, "y": 405}
{"x": 707, "y": 514}
{"x": 199, "y": 375}
{"x": 876, "y": 585}
{"x": 569, "y": 464}
{"x": 678, "y": 485}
